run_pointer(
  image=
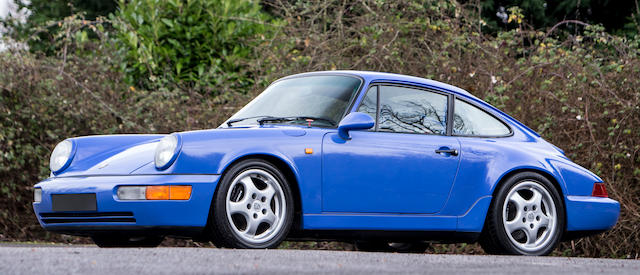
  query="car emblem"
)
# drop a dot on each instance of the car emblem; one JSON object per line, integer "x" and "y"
{"x": 256, "y": 206}
{"x": 530, "y": 216}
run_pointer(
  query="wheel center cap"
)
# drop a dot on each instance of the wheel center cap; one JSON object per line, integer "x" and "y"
{"x": 256, "y": 205}
{"x": 530, "y": 216}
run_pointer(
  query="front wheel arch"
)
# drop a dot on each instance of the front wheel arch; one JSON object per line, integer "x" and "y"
{"x": 289, "y": 174}
{"x": 227, "y": 231}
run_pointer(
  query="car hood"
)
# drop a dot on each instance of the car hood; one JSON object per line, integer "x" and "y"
{"x": 111, "y": 155}
{"x": 134, "y": 154}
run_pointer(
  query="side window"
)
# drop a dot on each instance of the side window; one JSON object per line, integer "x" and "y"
{"x": 369, "y": 103}
{"x": 407, "y": 110}
{"x": 469, "y": 120}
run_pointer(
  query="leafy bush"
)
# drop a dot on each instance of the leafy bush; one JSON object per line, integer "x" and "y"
{"x": 40, "y": 30}
{"x": 196, "y": 43}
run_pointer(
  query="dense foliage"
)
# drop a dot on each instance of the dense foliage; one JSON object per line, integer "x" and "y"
{"x": 578, "y": 89}
{"x": 39, "y": 30}
{"x": 195, "y": 43}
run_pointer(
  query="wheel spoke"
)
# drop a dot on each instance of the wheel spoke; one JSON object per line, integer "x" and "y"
{"x": 518, "y": 200}
{"x": 531, "y": 235}
{"x": 238, "y": 207}
{"x": 268, "y": 193}
{"x": 252, "y": 227}
{"x": 270, "y": 218}
{"x": 249, "y": 187}
{"x": 544, "y": 220}
{"x": 515, "y": 225}
{"x": 536, "y": 199}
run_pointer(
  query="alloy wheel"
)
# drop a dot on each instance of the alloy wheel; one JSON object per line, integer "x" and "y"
{"x": 255, "y": 206}
{"x": 529, "y": 216}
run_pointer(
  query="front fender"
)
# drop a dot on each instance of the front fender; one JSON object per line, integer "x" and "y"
{"x": 213, "y": 151}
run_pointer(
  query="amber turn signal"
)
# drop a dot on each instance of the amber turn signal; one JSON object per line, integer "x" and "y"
{"x": 157, "y": 192}
{"x": 168, "y": 192}
{"x": 179, "y": 192}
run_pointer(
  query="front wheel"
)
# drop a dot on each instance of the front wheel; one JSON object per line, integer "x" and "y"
{"x": 253, "y": 206}
{"x": 526, "y": 217}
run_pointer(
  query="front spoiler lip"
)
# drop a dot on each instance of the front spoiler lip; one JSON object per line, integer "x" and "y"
{"x": 168, "y": 215}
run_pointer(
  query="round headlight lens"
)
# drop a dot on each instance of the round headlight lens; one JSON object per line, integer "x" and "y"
{"x": 61, "y": 156}
{"x": 166, "y": 151}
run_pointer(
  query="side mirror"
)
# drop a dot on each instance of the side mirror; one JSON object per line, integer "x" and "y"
{"x": 354, "y": 121}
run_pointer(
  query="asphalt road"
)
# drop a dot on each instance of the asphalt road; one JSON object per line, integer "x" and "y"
{"x": 29, "y": 259}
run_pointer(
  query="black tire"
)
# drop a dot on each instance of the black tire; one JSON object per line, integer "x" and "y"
{"x": 222, "y": 234}
{"x": 381, "y": 246}
{"x": 494, "y": 238}
{"x": 126, "y": 241}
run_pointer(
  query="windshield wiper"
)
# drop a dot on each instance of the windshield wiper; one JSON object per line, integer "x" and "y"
{"x": 296, "y": 118}
{"x": 244, "y": 118}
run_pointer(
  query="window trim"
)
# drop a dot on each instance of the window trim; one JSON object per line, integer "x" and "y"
{"x": 402, "y": 85}
{"x": 455, "y": 97}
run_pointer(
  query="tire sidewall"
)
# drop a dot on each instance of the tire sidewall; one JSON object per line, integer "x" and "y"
{"x": 501, "y": 196}
{"x": 229, "y": 237}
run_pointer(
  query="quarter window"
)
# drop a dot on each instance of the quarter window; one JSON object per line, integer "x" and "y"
{"x": 407, "y": 110}
{"x": 469, "y": 120}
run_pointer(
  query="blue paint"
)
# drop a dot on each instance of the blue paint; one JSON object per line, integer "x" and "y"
{"x": 356, "y": 178}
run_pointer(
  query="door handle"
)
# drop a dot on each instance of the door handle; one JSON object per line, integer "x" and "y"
{"x": 453, "y": 152}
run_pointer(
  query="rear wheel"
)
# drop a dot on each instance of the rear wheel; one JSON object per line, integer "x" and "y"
{"x": 127, "y": 241}
{"x": 253, "y": 207}
{"x": 525, "y": 218}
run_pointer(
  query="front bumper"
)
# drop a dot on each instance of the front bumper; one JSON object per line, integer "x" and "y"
{"x": 586, "y": 213}
{"x": 179, "y": 217}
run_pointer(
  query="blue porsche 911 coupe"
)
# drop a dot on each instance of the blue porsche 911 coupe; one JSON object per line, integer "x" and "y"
{"x": 389, "y": 162}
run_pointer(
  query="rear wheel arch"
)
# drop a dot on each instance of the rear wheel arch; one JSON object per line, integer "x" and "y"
{"x": 508, "y": 178}
{"x": 545, "y": 174}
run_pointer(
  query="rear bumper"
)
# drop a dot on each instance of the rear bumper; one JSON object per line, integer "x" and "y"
{"x": 162, "y": 217}
{"x": 586, "y": 213}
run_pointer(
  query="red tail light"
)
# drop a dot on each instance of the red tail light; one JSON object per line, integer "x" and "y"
{"x": 599, "y": 190}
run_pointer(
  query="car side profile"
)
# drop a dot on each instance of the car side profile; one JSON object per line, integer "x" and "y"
{"x": 387, "y": 161}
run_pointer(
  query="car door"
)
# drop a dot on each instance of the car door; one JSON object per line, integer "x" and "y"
{"x": 406, "y": 164}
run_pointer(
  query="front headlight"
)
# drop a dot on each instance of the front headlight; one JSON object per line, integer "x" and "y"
{"x": 167, "y": 151}
{"x": 61, "y": 156}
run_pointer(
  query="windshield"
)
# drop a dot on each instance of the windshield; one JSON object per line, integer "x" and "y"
{"x": 318, "y": 100}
